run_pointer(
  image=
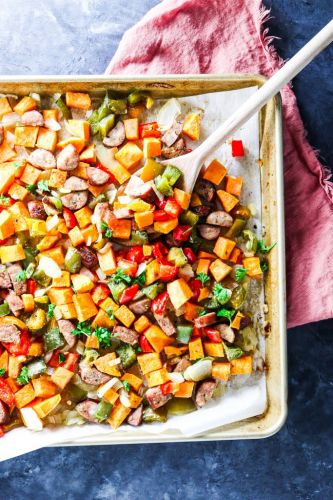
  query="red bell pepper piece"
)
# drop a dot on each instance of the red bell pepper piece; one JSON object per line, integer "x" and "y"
{"x": 149, "y": 130}
{"x": 128, "y": 294}
{"x": 100, "y": 292}
{"x": 21, "y": 347}
{"x": 160, "y": 203}
{"x": 168, "y": 272}
{"x": 106, "y": 170}
{"x": 121, "y": 254}
{"x": 190, "y": 255}
{"x": 2, "y": 242}
{"x": 6, "y": 393}
{"x": 54, "y": 360}
{"x": 144, "y": 344}
{"x": 4, "y": 205}
{"x": 69, "y": 218}
{"x": 71, "y": 360}
{"x": 182, "y": 233}
{"x": 159, "y": 304}
{"x": 196, "y": 332}
{"x": 161, "y": 216}
{"x": 135, "y": 254}
{"x": 173, "y": 208}
{"x": 213, "y": 334}
{"x": 237, "y": 148}
{"x": 159, "y": 251}
{"x": 2, "y": 432}
{"x": 195, "y": 286}
{"x": 166, "y": 388}
{"x": 31, "y": 286}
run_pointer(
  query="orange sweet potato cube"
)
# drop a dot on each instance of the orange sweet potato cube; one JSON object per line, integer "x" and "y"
{"x": 241, "y": 366}
{"x": 179, "y": 292}
{"x": 118, "y": 414}
{"x": 182, "y": 198}
{"x": 77, "y": 142}
{"x": 133, "y": 380}
{"x": 151, "y": 147}
{"x": 157, "y": 338}
{"x": 79, "y": 128}
{"x": 43, "y": 387}
{"x": 196, "y": 349}
{"x": 234, "y": 185}
{"x": 17, "y": 192}
{"x": 215, "y": 172}
{"x": 89, "y": 154}
{"x": 185, "y": 390}
{"x": 223, "y": 247}
{"x": 27, "y": 103}
{"x": 78, "y": 100}
{"x": 228, "y": 200}
{"x": 125, "y": 316}
{"x": 129, "y": 155}
{"x": 149, "y": 362}
{"x": 191, "y": 126}
{"x": 142, "y": 324}
{"x": 85, "y": 306}
{"x": 50, "y": 114}
{"x": 219, "y": 270}
{"x": 221, "y": 370}
{"x": 59, "y": 296}
{"x": 57, "y": 178}
{"x": 144, "y": 219}
{"x": 107, "y": 262}
{"x": 6, "y": 152}
{"x": 131, "y": 129}
{"x": 61, "y": 377}
{"x": 47, "y": 139}
{"x": 24, "y": 396}
{"x": 30, "y": 175}
{"x": 4, "y": 107}
{"x": 26, "y": 136}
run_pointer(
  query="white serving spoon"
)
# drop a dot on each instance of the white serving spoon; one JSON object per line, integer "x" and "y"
{"x": 191, "y": 163}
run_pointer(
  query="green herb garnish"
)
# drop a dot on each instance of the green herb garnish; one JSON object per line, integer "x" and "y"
{"x": 31, "y": 188}
{"x": 110, "y": 313}
{"x": 141, "y": 279}
{"x": 23, "y": 378}
{"x": 264, "y": 266}
{"x": 62, "y": 357}
{"x": 50, "y": 311}
{"x": 222, "y": 294}
{"x": 202, "y": 312}
{"x": 82, "y": 328}
{"x": 262, "y": 248}
{"x": 226, "y": 313}
{"x": 104, "y": 336}
{"x": 203, "y": 277}
{"x": 2, "y": 372}
{"x": 106, "y": 229}
{"x": 240, "y": 273}
{"x": 4, "y": 200}
{"x": 120, "y": 276}
{"x": 126, "y": 385}
{"x": 233, "y": 352}
{"x": 43, "y": 186}
{"x": 21, "y": 276}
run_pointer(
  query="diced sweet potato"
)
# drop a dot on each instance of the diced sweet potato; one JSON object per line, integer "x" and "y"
{"x": 27, "y": 103}
{"x": 63, "y": 281}
{"x": 215, "y": 172}
{"x": 79, "y": 128}
{"x": 195, "y": 349}
{"x": 90, "y": 234}
{"x": 142, "y": 324}
{"x": 6, "y": 152}
{"x": 182, "y": 198}
{"x": 105, "y": 364}
{"x": 149, "y": 362}
{"x": 76, "y": 236}
{"x": 81, "y": 283}
{"x": 50, "y": 114}
{"x": 133, "y": 380}
{"x": 144, "y": 219}
{"x": 252, "y": 265}
{"x": 18, "y": 192}
{"x": 47, "y": 139}
{"x": 28, "y": 302}
{"x": 118, "y": 414}
{"x": 131, "y": 129}
{"x": 134, "y": 399}
{"x": 60, "y": 296}
{"x": 30, "y": 175}
{"x": 7, "y": 177}
{"x": 221, "y": 370}
{"x": 152, "y": 272}
{"x": 241, "y": 366}
{"x": 228, "y": 200}
{"x": 129, "y": 155}
{"x": 103, "y": 319}
{"x": 234, "y": 185}
{"x": 88, "y": 154}
{"x": 56, "y": 254}
{"x": 84, "y": 305}
{"x": 24, "y": 396}
{"x": 151, "y": 169}
{"x": 43, "y": 387}
{"x": 157, "y": 377}
{"x": 45, "y": 407}
{"x": 191, "y": 126}
{"x": 78, "y": 100}
{"x": 125, "y": 316}
{"x": 157, "y": 338}
{"x": 61, "y": 377}
{"x": 6, "y": 225}
{"x": 26, "y": 136}
{"x": 166, "y": 226}
{"x": 47, "y": 242}
{"x": 185, "y": 390}
{"x": 179, "y": 292}
{"x": 11, "y": 253}
{"x": 191, "y": 311}
{"x": 219, "y": 270}
{"x": 151, "y": 147}
{"x": 214, "y": 349}
{"x": 68, "y": 311}
{"x": 224, "y": 247}
{"x": 203, "y": 266}
{"x": 77, "y": 142}
{"x": 4, "y": 107}
{"x": 107, "y": 262}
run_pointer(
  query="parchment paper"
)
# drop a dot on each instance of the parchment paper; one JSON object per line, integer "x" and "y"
{"x": 247, "y": 400}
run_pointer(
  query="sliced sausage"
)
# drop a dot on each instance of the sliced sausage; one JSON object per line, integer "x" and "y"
{"x": 205, "y": 189}
{"x": 226, "y": 332}
{"x": 4, "y": 413}
{"x": 75, "y": 201}
{"x": 244, "y": 322}
{"x": 14, "y": 302}
{"x": 66, "y": 327}
{"x": 87, "y": 410}
{"x": 36, "y": 210}
{"x": 135, "y": 418}
{"x": 91, "y": 375}
{"x": 74, "y": 183}
{"x": 166, "y": 324}
{"x": 32, "y": 118}
{"x": 206, "y": 320}
{"x": 96, "y": 176}
{"x": 68, "y": 158}
{"x": 126, "y": 335}
{"x": 171, "y": 135}
{"x": 182, "y": 365}
{"x": 208, "y": 232}
{"x": 116, "y": 136}
{"x": 20, "y": 287}
{"x": 140, "y": 306}
{"x": 9, "y": 333}
{"x": 220, "y": 218}
{"x": 205, "y": 392}
{"x": 145, "y": 191}
{"x": 88, "y": 257}
{"x": 4, "y": 278}
{"x": 156, "y": 398}
{"x": 42, "y": 158}
{"x": 177, "y": 149}
{"x": 1, "y": 134}
{"x": 201, "y": 210}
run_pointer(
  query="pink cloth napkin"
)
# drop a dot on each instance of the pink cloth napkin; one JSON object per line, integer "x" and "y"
{"x": 227, "y": 36}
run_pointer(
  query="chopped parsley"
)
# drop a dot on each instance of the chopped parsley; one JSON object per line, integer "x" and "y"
{"x": 141, "y": 279}
{"x": 4, "y": 200}
{"x": 23, "y": 378}
{"x": 264, "y": 266}
{"x": 2, "y": 372}
{"x": 82, "y": 328}
{"x": 17, "y": 164}
{"x": 43, "y": 186}
{"x": 120, "y": 276}
{"x": 110, "y": 312}
{"x": 201, "y": 312}
{"x": 104, "y": 336}
{"x": 233, "y": 352}
{"x": 203, "y": 277}
{"x": 21, "y": 276}
{"x": 31, "y": 188}
{"x": 138, "y": 348}
{"x": 226, "y": 313}
{"x": 50, "y": 311}
{"x": 240, "y": 273}
{"x": 222, "y": 294}
{"x": 62, "y": 357}
{"x": 107, "y": 231}
{"x": 126, "y": 385}
{"x": 262, "y": 248}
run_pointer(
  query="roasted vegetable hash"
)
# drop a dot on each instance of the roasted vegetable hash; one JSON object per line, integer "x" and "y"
{"x": 122, "y": 297}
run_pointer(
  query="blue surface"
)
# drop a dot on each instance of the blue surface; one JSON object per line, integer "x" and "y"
{"x": 74, "y": 37}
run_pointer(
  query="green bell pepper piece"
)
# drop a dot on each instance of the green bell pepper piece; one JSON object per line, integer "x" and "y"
{"x": 184, "y": 333}
{"x": 177, "y": 257}
{"x": 236, "y": 228}
{"x": 251, "y": 240}
{"x": 127, "y": 355}
{"x": 4, "y": 309}
{"x": 36, "y": 367}
{"x": 172, "y": 174}
{"x": 162, "y": 184}
{"x": 66, "y": 113}
{"x": 237, "y": 297}
{"x": 189, "y": 218}
{"x": 30, "y": 254}
{"x": 106, "y": 124}
{"x": 232, "y": 352}
{"x": 42, "y": 302}
{"x": 99, "y": 199}
{"x": 41, "y": 278}
{"x": 53, "y": 339}
{"x": 136, "y": 97}
{"x": 151, "y": 291}
{"x": 117, "y": 289}
{"x": 72, "y": 260}
{"x": 118, "y": 106}
{"x": 139, "y": 237}
{"x": 90, "y": 355}
{"x": 149, "y": 415}
{"x": 103, "y": 410}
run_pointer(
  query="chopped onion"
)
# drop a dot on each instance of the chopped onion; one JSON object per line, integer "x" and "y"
{"x": 124, "y": 200}
{"x": 89, "y": 113}
{"x": 105, "y": 248}
{"x": 56, "y": 96}
{"x": 186, "y": 272}
{"x": 176, "y": 377}
{"x": 180, "y": 311}
{"x": 52, "y": 124}
{"x": 199, "y": 371}
{"x": 89, "y": 241}
{"x": 57, "y": 313}
{"x": 41, "y": 292}
{"x": 22, "y": 153}
{"x": 141, "y": 268}
{"x": 13, "y": 96}
{"x": 49, "y": 369}
{"x": 114, "y": 362}
{"x": 50, "y": 267}
{"x": 64, "y": 190}
{"x": 134, "y": 183}
{"x": 80, "y": 347}
{"x": 86, "y": 272}
{"x": 111, "y": 193}
{"x": 52, "y": 223}
{"x": 100, "y": 274}
{"x": 11, "y": 119}
{"x": 124, "y": 399}
{"x": 92, "y": 395}
{"x": 78, "y": 114}
{"x": 168, "y": 113}
{"x": 35, "y": 96}
{"x": 31, "y": 420}
{"x": 114, "y": 383}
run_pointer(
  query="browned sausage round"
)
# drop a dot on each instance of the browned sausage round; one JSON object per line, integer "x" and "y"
{"x": 1, "y": 134}
{"x": 42, "y": 158}
{"x": 14, "y": 302}
{"x": 91, "y": 375}
{"x": 220, "y": 218}
{"x": 36, "y": 210}
{"x": 20, "y": 287}
{"x": 226, "y": 332}
{"x": 96, "y": 176}
{"x": 9, "y": 333}
{"x": 201, "y": 210}
{"x": 182, "y": 365}
{"x": 206, "y": 320}
{"x": 4, "y": 278}
{"x": 177, "y": 149}
{"x": 68, "y": 158}
{"x": 74, "y": 183}
{"x": 116, "y": 136}
{"x": 88, "y": 256}
{"x": 205, "y": 189}
{"x": 205, "y": 392}
{"x": 156, "y": 398}
{"x": 135, "y": 418}
{"x": 166, "y": 324}
{"x": 87, "y": 410}
{"x": 75, "y": 201}
{"x": 32, "y": 118}
{"x": 208, "y": 232}
{"x": 172, "y": 134}
{"x": 4, "y": 413}
{"x": 66, "y": 327}
{"x": 140, "y": 306}
{"x": 126, "y": 335}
